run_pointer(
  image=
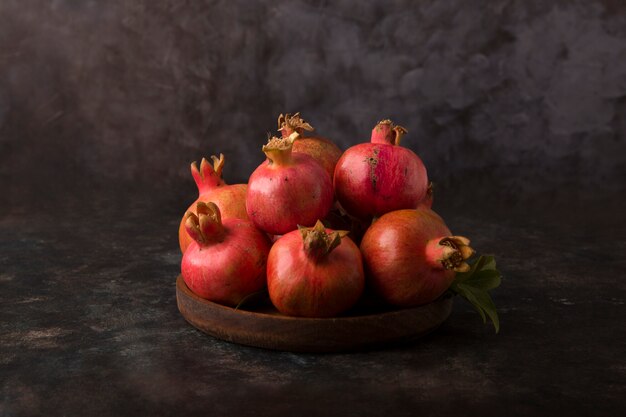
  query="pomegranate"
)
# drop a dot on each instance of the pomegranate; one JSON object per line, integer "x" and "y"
{"x": 314, "y": 272}
{"x": 321, "y": 149}
{"x": 374, "y": 178}
{"x": 227, "y": 259}
{"x": 427, "y": 201}
{"x": 411, "y": 257}
{"x": 231, "y": 199}
{"x": 288, "y": 189}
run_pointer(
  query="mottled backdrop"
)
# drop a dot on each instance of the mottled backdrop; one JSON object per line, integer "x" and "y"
{"x": 511, "y": 96}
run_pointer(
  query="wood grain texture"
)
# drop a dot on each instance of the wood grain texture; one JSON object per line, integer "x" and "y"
{"x": 268, "y": 329}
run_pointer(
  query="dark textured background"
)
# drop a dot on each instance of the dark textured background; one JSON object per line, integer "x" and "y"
{"x": 518, "y": 109}
{"x": 519, "y": 96}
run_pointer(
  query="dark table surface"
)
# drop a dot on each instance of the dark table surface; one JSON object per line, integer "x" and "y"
{"x": 89, "y": 323}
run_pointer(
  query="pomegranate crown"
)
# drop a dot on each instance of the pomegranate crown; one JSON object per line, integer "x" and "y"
{"x": 388, "y": 132}
{"x": 208, "y": 176}
{"x": 278, "y": 150}
{"x": 317, "y": 242}
{"x": 455, "y": 251}
{"x": 205, "y": 227}
{"x": 287, "y": 124}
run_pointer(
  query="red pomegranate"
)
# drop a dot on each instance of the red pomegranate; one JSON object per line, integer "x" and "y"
{"x": 427, "y": 201}
{"x": 231, "y": 199}
{"x": 288, "y": 189}
{"x": 374, "y": 178}
{"x": 226, "y": 260}
{"x": 321, "y": 149}
{"x": 411, "y": 257}
{"x": 314, "y": 272}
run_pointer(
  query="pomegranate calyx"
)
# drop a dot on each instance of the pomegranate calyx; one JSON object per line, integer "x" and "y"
{"x": 287, "y": 124}
{"x": 208, "y": 177}
{"x": 388, "y": 132}
{"x": 205, "y": 227}
{"x": 218, "y": 164}
{"x": 455, "y": 250}
{"x": 278, "y": 150}
{"x": 317, "y": 242}
{"x": 193, "y": 227}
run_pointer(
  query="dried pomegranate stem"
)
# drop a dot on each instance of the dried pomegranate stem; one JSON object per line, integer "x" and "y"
{"x": 287, "y": 124}
{"x": 317, "y": 243}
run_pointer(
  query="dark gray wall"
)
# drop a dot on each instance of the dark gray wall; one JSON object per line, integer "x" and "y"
{"x": 522, "y": 94}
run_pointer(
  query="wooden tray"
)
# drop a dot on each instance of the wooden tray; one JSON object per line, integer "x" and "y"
{"x": 266, "y": 328}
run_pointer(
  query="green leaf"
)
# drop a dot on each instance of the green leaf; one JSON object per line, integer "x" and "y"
{"x": 485, "y": 280}
{"x": 489, "y": 262}
{"x": 476, "y": 265}
{"x": 486, "y": 304}
{"x": 482, "y": 263}
{"x": 474, "y": 285}
{"x": 469, "y": 296}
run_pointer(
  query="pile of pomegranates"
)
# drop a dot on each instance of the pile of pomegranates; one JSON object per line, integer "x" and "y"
{"x": 320, "y": 230}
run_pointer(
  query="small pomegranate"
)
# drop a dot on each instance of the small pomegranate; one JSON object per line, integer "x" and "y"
{"x": 231, "y": 199}
{"x": 411, "y": 257}
{"x": 314, "y": 272}
{"x": 288, "y": 189}
{"x": 374, "y": 178}
{"x": 321, "y": 149}
{"x": 226, "y": 261}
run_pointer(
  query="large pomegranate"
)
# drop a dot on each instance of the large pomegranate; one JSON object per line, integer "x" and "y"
{"x": 288, "y": 189}
{"x": 226, "y": 260}
{"x": 374, "y": 178}
{"x": 411, "y": 257}
{"x": 321, "y": 149}
{"x": 231, "y": 199}
{"x": 314, "y": 272}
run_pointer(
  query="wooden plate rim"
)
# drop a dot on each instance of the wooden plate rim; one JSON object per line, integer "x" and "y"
{"x": 439, "y": 310}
